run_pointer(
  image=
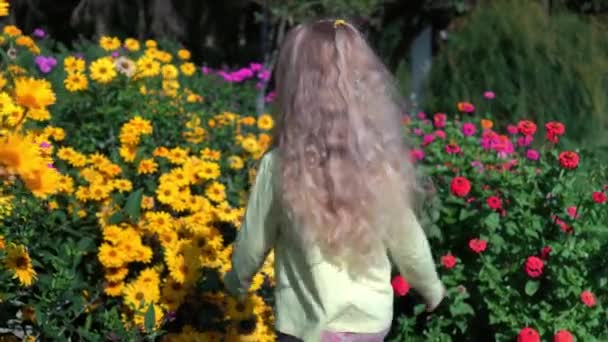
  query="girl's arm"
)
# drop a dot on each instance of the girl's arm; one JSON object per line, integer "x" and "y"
{"x": 258, "y": 231}
{"x": 411, "y": 253}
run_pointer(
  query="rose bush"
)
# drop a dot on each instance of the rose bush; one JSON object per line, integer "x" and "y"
{"x": 519, "y": 227}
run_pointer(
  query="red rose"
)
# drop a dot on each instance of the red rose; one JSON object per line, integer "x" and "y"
{"x": 494, "y": 202}
{"x": 545, "y": 252}
{"x": 448, "y": 261}
{"x": 568, "y": 160}
{"x": 477, "y": 245}
{"x": 526, "y": 127}
{"x": 400, "y": 286}
{"x": 534, "y": 267}
{"x": 555, "y": 128}
{"x": 460, "y": 186}
{"x": 563, "y": 336}
{"x": 588, "y": 298}
{"x": 528, "y": 334}
{"x": 599, "y": 197}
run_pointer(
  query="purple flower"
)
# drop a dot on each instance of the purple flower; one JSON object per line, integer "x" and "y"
{"x": 489, "y": 95}
{"x": 79, "y": 55}
{"x": 255, "y": 67}
{"x": 115, "y": 54}
{"x": 206, "y": 70}
{"x": 50, "y": 166}
{"x": 45, "y": 144}
{"x": 468, "y": 129}
{"x": 532, "y": 154}
{"x": 39, "y": 33}
{"x": 45, "y": 64}
{"x": 270, "y": 97}
{"x": 512, "y": 129}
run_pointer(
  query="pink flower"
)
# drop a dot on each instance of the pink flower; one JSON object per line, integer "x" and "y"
{"x": 439, "y": 119}
{"x": 528, "y": 334}
{"x": 468, "y": 129}
{"x": 448, "y": 261}
{"x": 588, "y": 298}
{"x": 494, "y": 202}
{"x": 421, "y": 115}
{"x": 452, "y": 148}
{"x": 544, "y": 253}
{"x": 489, "y": 95}
{"x": 599, "y": 197}
{"x": 440, "y": 134}
{"x": 400, "y": 286}
{"x": 466, "y": 107}
{"x": 532, "y": 154}
{"x": 429, "y": 138}
{"x": 264, "y": 75}
{"x": 255, "y": 66}
{"x": 512, "y": 129}
{"x": 563, "y": 336}
{"x": 417, "y": 154}
{"x": 525, "y": 140}
{"x": 206, "y": 70}
{"x": 572, "y": 212}
{"x": 534, "y": 267}
{"x": 417, "y": 131}
{"x": 477, "y": 245}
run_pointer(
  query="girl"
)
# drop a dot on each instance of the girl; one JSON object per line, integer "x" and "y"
{"x": 333, "y": 197}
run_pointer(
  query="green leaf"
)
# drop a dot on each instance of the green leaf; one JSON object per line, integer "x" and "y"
{"x": 133, "y": 206}
{"x": 532, "y": 287}
{"x": 149, "y": 318}
{"x": 492, "y": 221}
{"x": 116, "y": 218}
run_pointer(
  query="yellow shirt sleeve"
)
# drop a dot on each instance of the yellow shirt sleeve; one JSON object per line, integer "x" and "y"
{"x": 258, "y": 231}
{"x": 411, "y": 253}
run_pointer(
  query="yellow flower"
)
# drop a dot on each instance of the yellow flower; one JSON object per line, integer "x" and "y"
{"x": 208, "y": 171}
{"x": 150, "y": 44}
{"x": 132, "y": 44}
{"x": 110, "y": 256}
{"x": 147, "y": 67}
{"x": 122, "y": 185}
{"x": 250, "y": 145}
{"x": 3, "y": 81}
{"x": 265, "y": 122}
{"x": 167, "y": 194}
{"x": 12, "y": 30}
{"x": 159, "y": 222}
{"x": 29, "y": 43}
{"x": 147, "y": 166}
{"x": 248, "y": 121}
{"x": 236, "y": 162}
{"x": 18, "y": 261}
{"x": 139, "y": 295}
{"x": 183, "y": 54}
{"x": 73, "y": 64}
{"x": 128, "y": 153}
{"x": 169, "y": 72}
{"x": 177, "y": 155}
{"x": 42, "y": 182}
{"x": 170, "y": 87}
{"x": 33, "y": 93}
{"x": 115, "y": 275}
{"x": 109, "y": 43}
{"x": 19, "y": 155}
{"x": 76, "y": 82}
{"x": 216, "y": 192}
{"x": 3, "y": 8}
{"x": 173, "y": 294}
{"x": 188, "y": 69}
{"x": 102, "y": 70}
{"x": 114, "y": 289}
{"x": 210, "y": 154}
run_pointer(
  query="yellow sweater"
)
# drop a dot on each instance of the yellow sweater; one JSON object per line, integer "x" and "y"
{"x": 311, "y": 294}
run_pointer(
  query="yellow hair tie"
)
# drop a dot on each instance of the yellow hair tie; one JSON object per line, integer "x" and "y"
{"x": 339, "y": 22}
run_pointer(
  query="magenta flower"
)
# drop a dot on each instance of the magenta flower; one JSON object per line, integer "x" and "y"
{"x": 255, "y": 67}
{"x": 45, "y": 144}
{"x": 206, "y": 70}
{"x": 417, "y": 131}
{"x": 452, "y": 148}
{"x": 440, "y": 134}
{"x": 270, "y": 97}
{"x": 468, "y": 129}
{"x": 264, "y": 75}
{"x": 532, "y": 154}
{"x": 440, "y": 119}
{"x": 572, "y": 212}
{"x": 421, "y": 115}
{"x": 489, "y": 95}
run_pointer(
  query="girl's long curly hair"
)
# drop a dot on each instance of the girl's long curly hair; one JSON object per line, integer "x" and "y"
{"x": 346, "y": 177}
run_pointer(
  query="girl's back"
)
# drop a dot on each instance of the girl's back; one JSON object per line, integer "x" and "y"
{"x": 333, "y": 195}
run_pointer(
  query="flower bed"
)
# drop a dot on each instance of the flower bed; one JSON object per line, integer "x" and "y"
{"x": 125, "y": 170}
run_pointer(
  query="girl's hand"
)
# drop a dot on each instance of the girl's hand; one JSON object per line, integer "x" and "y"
{"x": 431, "y": 306}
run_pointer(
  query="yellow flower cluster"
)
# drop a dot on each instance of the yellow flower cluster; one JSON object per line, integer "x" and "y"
{"x": 13, "y": 33}
{"x": 187, "y": 199}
